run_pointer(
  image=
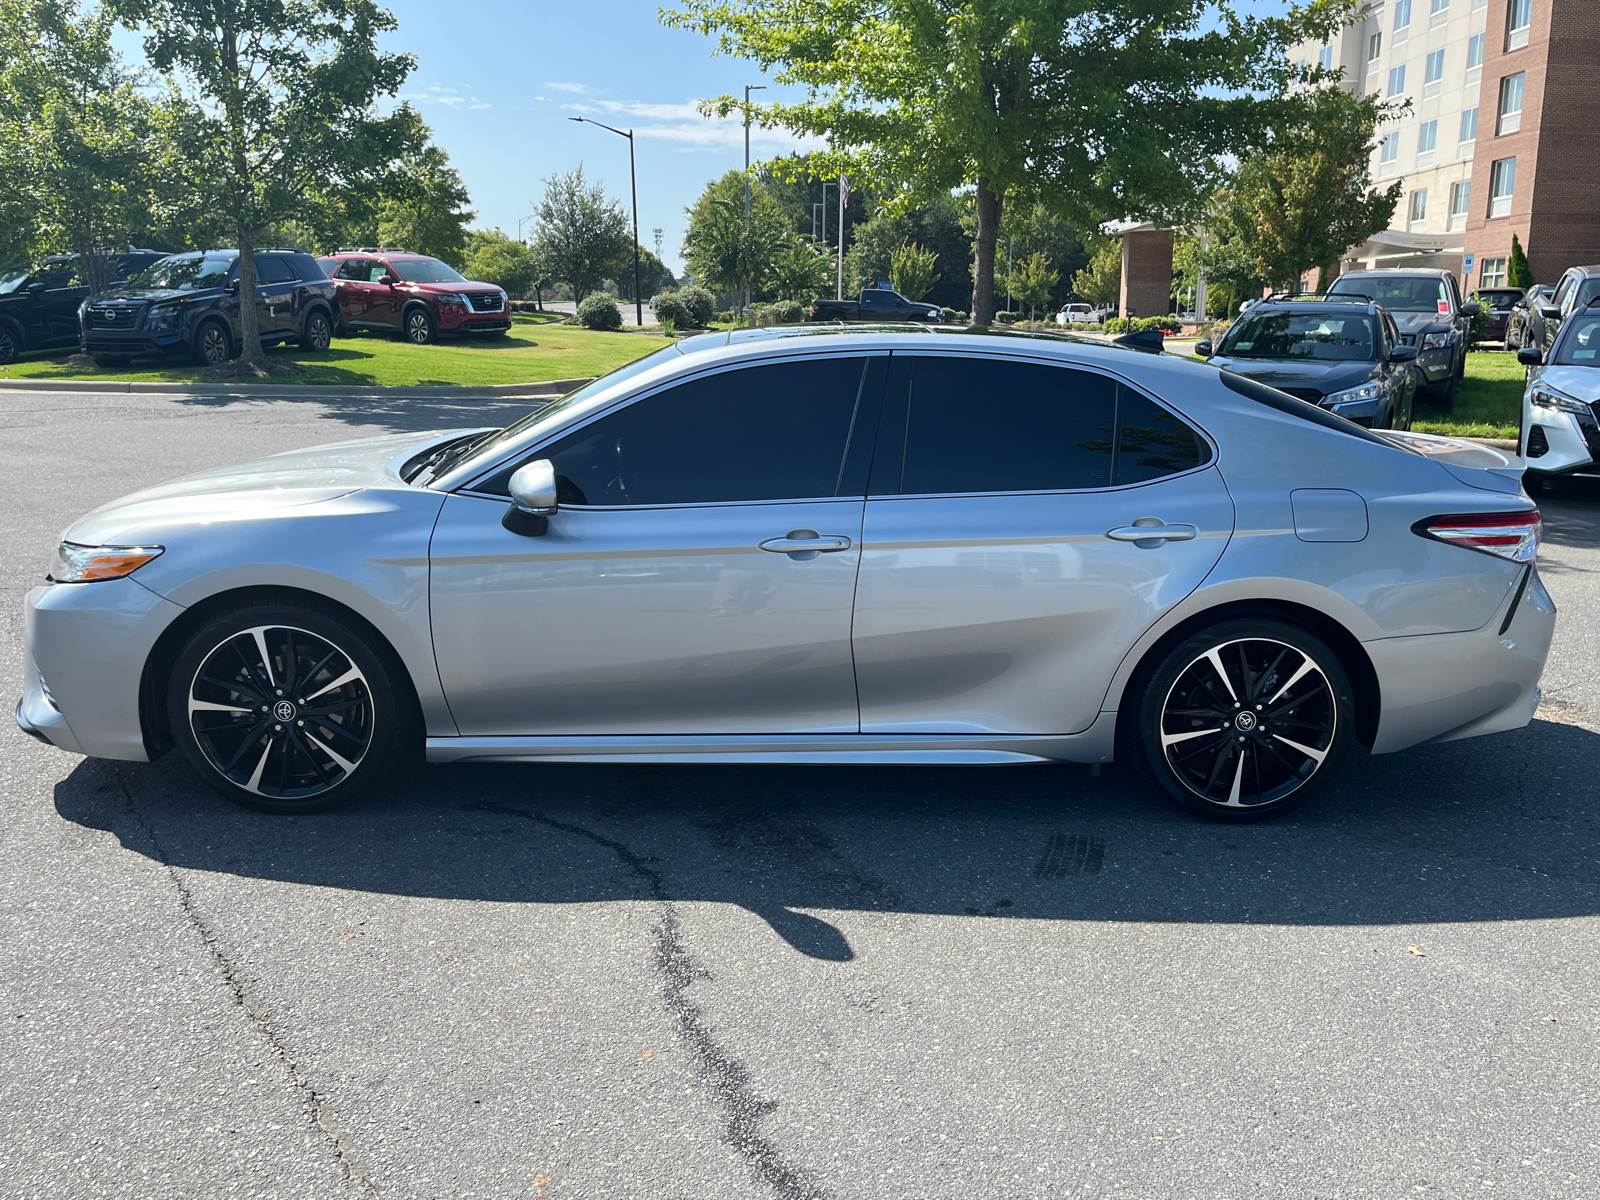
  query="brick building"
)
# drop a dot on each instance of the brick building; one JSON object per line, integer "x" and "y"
{"x": 1503, "y": 134}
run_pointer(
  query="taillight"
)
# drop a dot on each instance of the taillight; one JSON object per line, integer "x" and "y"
{"x": 1512, "y": 535}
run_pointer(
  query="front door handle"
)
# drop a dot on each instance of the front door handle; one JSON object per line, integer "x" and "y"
{"x": 1150, "y": 533}
{"x": 803, "y": 544}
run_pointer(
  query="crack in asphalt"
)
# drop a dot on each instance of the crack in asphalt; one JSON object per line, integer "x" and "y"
{"x": 727, "y": 1078}
{"x": 315, "y": 1101}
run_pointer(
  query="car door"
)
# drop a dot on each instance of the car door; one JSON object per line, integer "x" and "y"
{"x": 1000, "y": 585}
{"x": 56, "y": 311}
{"x": 697, "y": 577}
{"x": 351, "y": 280}
{"x": 383, "y": 300}
{"x": 1402, "y": 378}
{"x": 275, "y": 284}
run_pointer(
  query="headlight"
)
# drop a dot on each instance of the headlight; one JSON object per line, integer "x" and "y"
{"x": 162, "y": 319}
{"x": 452, "y": 297}
{"x": 1546, "y": 397}
{"x": 1366, "y": 392}
{"x": 1435, "y": 341}
{"x": 88, "y": 564}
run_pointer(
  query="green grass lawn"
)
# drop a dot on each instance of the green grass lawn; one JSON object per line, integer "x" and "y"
{"x": 1489, "y": 403}
{"x": 536, "y": 349}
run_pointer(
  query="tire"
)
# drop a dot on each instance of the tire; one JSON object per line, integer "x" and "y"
{"x": 241, "y": 716}
{"x": 318, "y": 333}
{"x": 1212, "y": 739}
{"x": 1445, "y": 399}
{"x": 212, "y": 344}
{"x": 10, "y": 345}
{"x": 1533, "y": 484}
{"x": 417, "y": 326}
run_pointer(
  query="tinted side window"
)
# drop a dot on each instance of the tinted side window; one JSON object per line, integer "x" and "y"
{"x": 988, "y": 425}
{"x": 272, "y": 268}
{"x": 305, "y": 267}
{"x": 1153, "y": 442}
{"x": 778, "y": 432}
{"x": 353, "y": 268}
{"x": 62, "y": 275}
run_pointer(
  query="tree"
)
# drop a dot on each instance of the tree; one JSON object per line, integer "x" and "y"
{"x": 1100, "y": 283}
{"x": 802, "y": 272}
{"x": 582, "y": 238}
{"x": 1304, "y": 196}
{"x": 653, "y": 275}
{"x": 499, "y": 260}
{"x": 1119, "y": 108}
{"x": 1032, "y": 279}
{"x": 280, "y": 98}
{"x": 911, "y": 270}
{"x": 729, "y": 248}
{"x": 424, "y": 206}
{"x": 1518, "y": 272}
{"x": 1034, "y": 228}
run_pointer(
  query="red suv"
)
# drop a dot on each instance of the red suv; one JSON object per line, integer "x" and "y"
{"x": 412, "y": 294}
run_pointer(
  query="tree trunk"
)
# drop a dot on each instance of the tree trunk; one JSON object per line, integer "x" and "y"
{"x": 989, "y": 213}
{"x": 249, "y": 331}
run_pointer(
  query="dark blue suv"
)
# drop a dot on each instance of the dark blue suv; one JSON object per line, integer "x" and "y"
{"x": 189, "y": 304}
{"x": 39, "y": 305}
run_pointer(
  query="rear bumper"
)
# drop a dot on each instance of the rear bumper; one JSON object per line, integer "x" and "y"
{"x": 1445, "y": 686}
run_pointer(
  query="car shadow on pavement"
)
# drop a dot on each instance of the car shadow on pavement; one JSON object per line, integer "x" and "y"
{"x": 1491, "y": 829}
{"x": 395, "y": 412}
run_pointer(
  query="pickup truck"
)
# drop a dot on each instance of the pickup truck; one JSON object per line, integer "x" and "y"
{"x": 876, "y": 304}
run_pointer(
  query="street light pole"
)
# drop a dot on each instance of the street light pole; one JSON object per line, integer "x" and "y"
{"x": 748, "y": 88}
{"x": 633, "y": 183}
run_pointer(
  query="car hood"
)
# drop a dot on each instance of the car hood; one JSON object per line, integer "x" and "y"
{"x": 127, "y": 293}
{"x": 1581, "y": 383}
{"x": 1326, "y": 377}
{"x": 253, "y": 490}
{"x": 1421, "y": 322}
{"x": 469, "y": 286}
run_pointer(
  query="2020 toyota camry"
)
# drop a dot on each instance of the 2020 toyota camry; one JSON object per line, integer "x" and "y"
{"x": 815, "y": 546}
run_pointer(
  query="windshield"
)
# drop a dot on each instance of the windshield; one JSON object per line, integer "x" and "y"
{"x": 1580, "y": 342}
{"x": 1342, "y": 337}
{"x": 186, "y": 272}
{"x": 425, "y": 270}
{"x": 459, "y": 452}
{"x": 1403, "y": 293}
{"x": 13, "y": 278}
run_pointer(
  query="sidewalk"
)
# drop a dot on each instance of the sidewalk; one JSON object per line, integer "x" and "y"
{"x": 550, "y": 387}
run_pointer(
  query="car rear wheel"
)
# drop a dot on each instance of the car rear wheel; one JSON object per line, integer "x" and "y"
{"x": 10, "y": 345}
{"x": 1245, "y": 721}
{"x": 419, "y": 326}
{"x": 212, "y": 345}
{"x": 318, "y": 334}
{"x": 287, "y": 708}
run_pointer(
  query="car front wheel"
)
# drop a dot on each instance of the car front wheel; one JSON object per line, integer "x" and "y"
{"x": 1245, "y": 720}
{"x": 287, "y": 708}
{"x": 10, "y": 346}
{"x": 212, "y": 346}
{"x": 419, "y": 327}
{"x": 318, "y": 334}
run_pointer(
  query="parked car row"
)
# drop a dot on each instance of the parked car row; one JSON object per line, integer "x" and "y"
{"x": 188, "y": 304}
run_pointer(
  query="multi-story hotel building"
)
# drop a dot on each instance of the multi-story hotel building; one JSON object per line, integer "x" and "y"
{"x": 1502, "y": 137}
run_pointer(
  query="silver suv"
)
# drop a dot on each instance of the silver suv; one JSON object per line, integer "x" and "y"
{"x": 1577, "y": 286}
{"x": 1428, "y": 308}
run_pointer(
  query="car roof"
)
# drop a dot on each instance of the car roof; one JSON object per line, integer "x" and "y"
{"x": 1392, "y": 271}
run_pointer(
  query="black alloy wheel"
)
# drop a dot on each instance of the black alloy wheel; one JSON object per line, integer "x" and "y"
{"x": 318, "y": 334}
{"x": 212, "y": 345}
{"x": 10, "y": 345}
{"x": 418, "y": 326}
{"x": 285, "y": 709}
{"x": 1246, "y": 720}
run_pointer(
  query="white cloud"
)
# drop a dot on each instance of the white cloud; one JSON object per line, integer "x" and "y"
{"x": 683, "y": 124}
{"x": 438, "y": 94}
{"x": 566, "y": 87}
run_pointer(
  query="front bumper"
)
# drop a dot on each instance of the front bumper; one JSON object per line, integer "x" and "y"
{"x": 90, "y": 641}
{"x": 132, "y": 344}
{"x": 1569, "y": 445}
{"x": 1438, "y": 364}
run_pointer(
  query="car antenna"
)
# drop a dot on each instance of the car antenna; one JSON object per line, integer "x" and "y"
{"x": 1152, "y": 340}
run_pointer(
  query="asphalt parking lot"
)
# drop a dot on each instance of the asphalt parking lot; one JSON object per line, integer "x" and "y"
{"x": 854, "y": 983}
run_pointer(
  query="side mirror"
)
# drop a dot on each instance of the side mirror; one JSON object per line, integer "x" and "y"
{"x": 1403, "y": 354}
{"x": 1471, "y": 308}
{"x": 232, "y": 285}
{"x": 1530, "y": 356}
{"x": 1551, "y": 311}
{"x": 1203, "y": 348}
{"x": 37, "y": 285}
{"x": 533, "y": 499}
{"x": 388, "y": 280}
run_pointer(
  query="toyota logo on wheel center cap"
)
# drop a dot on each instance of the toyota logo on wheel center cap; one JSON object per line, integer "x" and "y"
{"x": 1245, "y": 721}
{"x": 284, "y": 711}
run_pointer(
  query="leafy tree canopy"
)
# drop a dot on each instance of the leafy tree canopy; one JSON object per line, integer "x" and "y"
{"x": 1099, "y": 282}
{"x": 581, "y": 237}
{"x": 912, "y": 270}
{"x": 495, "y": 258}
{"x": 424, "y": 206}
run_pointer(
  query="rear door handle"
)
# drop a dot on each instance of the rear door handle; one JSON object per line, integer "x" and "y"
{"x": 1149, "y": 533}
{"x": 802, "y": 544}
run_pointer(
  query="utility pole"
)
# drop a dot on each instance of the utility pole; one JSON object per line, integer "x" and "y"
{"x": 748, "y": 88}
{"x": 825, "y": 186}
{"x": 633, "y": 179}
{"x": 844, "y": 198}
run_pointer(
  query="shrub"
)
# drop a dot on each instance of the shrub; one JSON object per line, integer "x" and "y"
{"x": 725, "y": 317}
{"x": 599, "y": 311}
{"x": 702, "y": 305}
{"x": 1007, "y": 318}
{"x": 953, "y": 316}
{"x": 1114, "y": 325}
{"x": 786, "y": 312}
{"x": 1168, "y": 324}
{"x": 669, "y": 306}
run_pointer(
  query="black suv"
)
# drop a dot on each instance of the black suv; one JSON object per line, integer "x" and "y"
{"x": 39, "y": 305}
{"x": 1347, "y": 358}
{"x": 189, "y": 304}
{"x": 1428, "y": 308}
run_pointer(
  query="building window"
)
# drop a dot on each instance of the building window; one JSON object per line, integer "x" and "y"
{"x": 1397, "y": 79}
{"x": 1460, "y": 202}
{"x": 1469, "y": 132}
{"x": 1510, "y": 104}
{"x": 1474, "y": 57}
{"x": 1325, "y": 59}
{"x": 1502, "y": 180}
{"x": 1433, "y": 74}
{"x": 1389, "y": 152}
{"x": 1493, "y": 273}
{"x": 1402, "y": 13}
{"x": 1427, "y": 139}
{"x": 1417, "y": 214}
{"x": 1440, "y": 13}
{"x": 1519, "y": 16}
{"x": 1374, "y": 46}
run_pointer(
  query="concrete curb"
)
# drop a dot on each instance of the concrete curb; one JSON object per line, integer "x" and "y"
{"x": 553, "y": 387}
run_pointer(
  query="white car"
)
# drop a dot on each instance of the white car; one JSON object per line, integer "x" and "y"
{"x": 1560, "y": 429}
{"x": 1079, "y": 314}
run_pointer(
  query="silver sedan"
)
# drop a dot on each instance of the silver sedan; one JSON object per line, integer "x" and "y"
{"x": 815, "y": 546}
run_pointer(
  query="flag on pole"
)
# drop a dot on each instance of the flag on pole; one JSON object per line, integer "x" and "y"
{"x": 844, "y": 190}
